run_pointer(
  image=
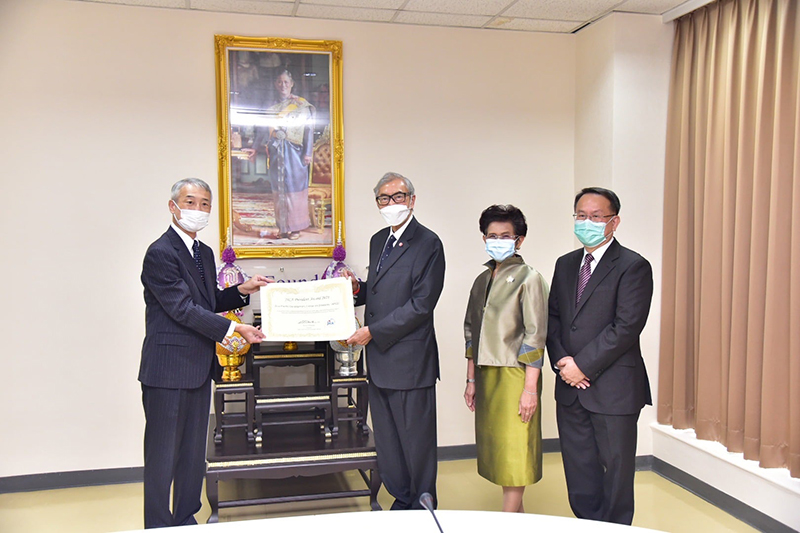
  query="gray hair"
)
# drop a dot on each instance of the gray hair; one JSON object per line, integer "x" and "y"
{"x": 180, "y": 184}
{"x": 392, "y": 176}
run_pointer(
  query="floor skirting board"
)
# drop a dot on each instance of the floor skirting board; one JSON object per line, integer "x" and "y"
{"x": 725, "y": 502}
{"x": 69, "y": 480}
{"x": 724, "y": 478}
{"x": 719, "y": 499}
{"x": 469, "y": 451}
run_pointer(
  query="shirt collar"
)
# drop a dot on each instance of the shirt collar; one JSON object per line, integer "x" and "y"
{"x": 188, "y": 241}
{"x": 399, "y": 233}
{"x": 515, "y": 259}
{"x": 598, "y": 253}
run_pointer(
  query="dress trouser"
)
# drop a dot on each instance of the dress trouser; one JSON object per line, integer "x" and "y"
{"x": 599, "y": 455}
{"x": 405, "y": 440}
{"x": 174, "y": 452}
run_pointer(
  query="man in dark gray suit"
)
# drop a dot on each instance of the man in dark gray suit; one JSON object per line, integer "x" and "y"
{"x": 599, "y": 302}
{"x": 406, "y": 276}
{"x": 178, "y": 355}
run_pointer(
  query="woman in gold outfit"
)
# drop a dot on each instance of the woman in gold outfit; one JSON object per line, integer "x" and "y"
{"x": 505, "y": 330}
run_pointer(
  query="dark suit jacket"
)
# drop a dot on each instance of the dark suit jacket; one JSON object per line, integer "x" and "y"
{"x": 181, "y": 327}
{"x": 403, "y": 353}
{"x": 602, "y": 332}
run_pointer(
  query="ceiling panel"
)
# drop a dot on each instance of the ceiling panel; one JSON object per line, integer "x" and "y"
{"x": 344, "y": 13}
{"x": 375, "y": 4}
{"x": 246, "y": 6}
{"x": 652, "y": 7}
{"x": 459, "y": 7}
{"x": 560, "y": 16}
{"x": 441, "y": 19}
{"x": 583, "y": 10}
{"x": 146, "y": 3}
{"x": 521, "y": 24}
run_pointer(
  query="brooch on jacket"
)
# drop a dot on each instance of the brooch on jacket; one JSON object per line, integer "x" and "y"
{"x": 510, "y": 279}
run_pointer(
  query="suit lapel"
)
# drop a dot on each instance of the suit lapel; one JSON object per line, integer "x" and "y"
{"x": 400, "y": 248}
{"x": 606, "y": 265}
{"x": 573, "y": 264}
{"x": 188, "y": 261}
{"x": 210, "y": 267}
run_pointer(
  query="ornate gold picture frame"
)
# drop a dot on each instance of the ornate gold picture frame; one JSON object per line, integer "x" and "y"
{"x": 281, "y": 145}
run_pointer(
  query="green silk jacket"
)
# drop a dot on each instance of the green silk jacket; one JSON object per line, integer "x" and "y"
{"x": 509, "y": 326}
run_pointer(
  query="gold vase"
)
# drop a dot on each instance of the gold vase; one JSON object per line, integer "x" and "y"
{"x": 231, "y": 352}
{"x": 230, "y": 364}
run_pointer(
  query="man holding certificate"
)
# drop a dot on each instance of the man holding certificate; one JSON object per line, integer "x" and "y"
{"x": 406, "y": 276}
{"x": 181, "y": 331}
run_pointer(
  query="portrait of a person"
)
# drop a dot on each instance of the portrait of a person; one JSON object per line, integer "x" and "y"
{"x": 290, "y": 147}
{"x": 282, "y": 170}
{"x": 505, "y": 330}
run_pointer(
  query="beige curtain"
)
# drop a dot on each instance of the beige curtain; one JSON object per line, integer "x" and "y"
{"x": 730, "y": 331}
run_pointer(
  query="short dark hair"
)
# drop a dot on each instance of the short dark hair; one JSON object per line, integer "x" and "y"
{"x": 608, "y": 194}
{"x": 504, "y": 213}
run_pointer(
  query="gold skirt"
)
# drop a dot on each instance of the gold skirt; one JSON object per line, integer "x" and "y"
{"x": 509, "y": 451}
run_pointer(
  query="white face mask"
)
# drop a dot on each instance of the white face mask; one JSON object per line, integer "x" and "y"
{"x": 191, "y": 220}
{"x": 501, "y": 249}
{"x": 395, "y": 214}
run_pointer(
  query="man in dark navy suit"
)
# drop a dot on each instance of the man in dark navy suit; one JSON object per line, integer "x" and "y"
{"x": 599, "y": 302}
{"x": 178, "y": 355}
{"x": 406, "y": 276}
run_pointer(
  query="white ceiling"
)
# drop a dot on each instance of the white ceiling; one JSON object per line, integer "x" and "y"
{"x": 557, "y": 16}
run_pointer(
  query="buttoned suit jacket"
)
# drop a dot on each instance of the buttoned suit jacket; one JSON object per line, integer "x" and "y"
{"x": 181, "y": 327}
{"x": 400, "y": 299}
{"x": 602, "y": 331}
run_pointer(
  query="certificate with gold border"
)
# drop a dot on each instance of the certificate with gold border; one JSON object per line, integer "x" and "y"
{"x": 308, "y": 311}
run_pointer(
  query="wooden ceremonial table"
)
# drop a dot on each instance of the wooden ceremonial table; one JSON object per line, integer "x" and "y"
{"x": 288, "y": 451}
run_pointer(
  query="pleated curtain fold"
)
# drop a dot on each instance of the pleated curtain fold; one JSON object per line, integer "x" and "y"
{"x": 730, "y": 329}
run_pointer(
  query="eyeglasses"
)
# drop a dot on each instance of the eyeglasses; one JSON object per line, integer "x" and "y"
{"x": 398, "y": 198}
{"x": 502, "y": 237}
{"x": 593, "y": 218}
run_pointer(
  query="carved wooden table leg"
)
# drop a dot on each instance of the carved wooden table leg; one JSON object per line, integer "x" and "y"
{"x": 219, "y": 403}
{"x": 212, "y": 493}
{"x": 374, "y": 487}
{"x": 250, "y": 413}
{"x": 334, "y": 409}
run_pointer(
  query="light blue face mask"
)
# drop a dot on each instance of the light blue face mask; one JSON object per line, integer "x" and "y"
{"x": 500, "y": 249}
{"x": 590, "y": 233}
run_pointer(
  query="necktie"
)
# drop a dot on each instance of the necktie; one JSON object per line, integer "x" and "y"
{"x": 584, "y": 275}
{"x": 386, "y": 251}
{"x": 198, "y": 261}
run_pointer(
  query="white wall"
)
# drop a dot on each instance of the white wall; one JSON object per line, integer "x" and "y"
{"x": 105, "y": 106}
{"x": 622, "y": 80}
{"x": 594, "y": 105}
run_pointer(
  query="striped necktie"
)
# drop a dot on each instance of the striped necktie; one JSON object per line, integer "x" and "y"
{"x": 386, "y": 251}
{"x": 584, "y": 275}
{"x": 198, "y": 261}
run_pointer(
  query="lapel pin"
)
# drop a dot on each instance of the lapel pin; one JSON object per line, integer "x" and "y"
{"x": 510, "y": 279}
{"x": 400, "y": 244}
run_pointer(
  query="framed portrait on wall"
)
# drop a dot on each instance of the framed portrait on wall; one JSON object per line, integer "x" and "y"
{"x": 279, "y": 115}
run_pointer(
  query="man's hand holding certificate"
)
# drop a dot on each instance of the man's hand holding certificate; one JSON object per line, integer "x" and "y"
{"x": 308, "y": 311}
